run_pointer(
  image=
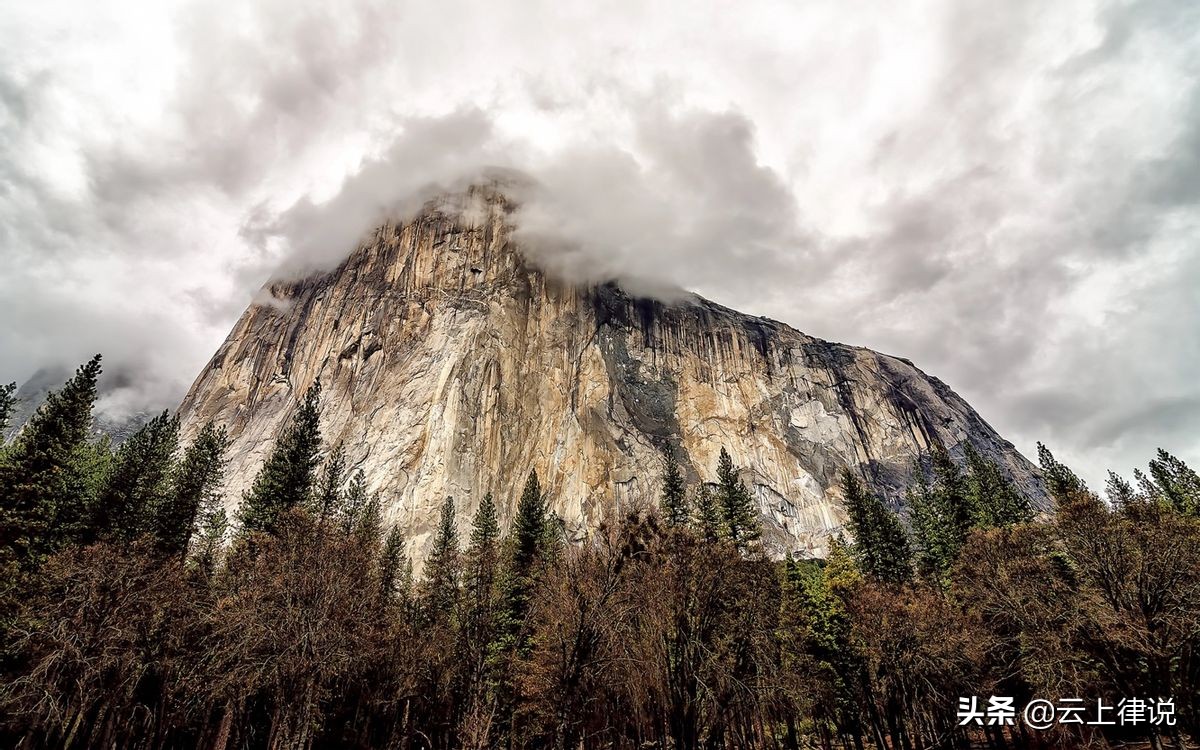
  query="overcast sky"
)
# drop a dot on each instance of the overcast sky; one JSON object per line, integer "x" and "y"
{"x": 1007, "y": 193}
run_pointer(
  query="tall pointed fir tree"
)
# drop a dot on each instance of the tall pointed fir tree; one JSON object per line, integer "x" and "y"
{"x": 995, "y": 500}
{"x": 673, "y": 503}
{"x": 288, "y": 477}
{"x": 328, "y": 498}
{"x": 42, "y": 499}
{"x": 932, "y": 532}
{"x": 706, "y": 516}
{"x": 442, "y": 569}
{"x": 954, "y": 492}
{"x": 195, "y": 486}
{"x": 483, "y": 552}
{"x": 483, "y": 556}
{"x": 8, "y": 403}
{"x": 524, "y": 554}
{"x": 738, "y": 514}
{"x": 1061, "y": 482}
{"x": 1119, "y": 491}
{"x": 880, "y": 543}
{"x": 943, "y": 512}
{"x": 353, "y": 503}
{"x": 485, "y": 528}
{"x": 529, "y": 527}
{"x": 480, "y": 578}
{"x": 1176, "y": 482}
{"x": 140, "y": 482}
{"x": 391, "y": 562}
{"x": 369, "y": 528}
{"x": 213, "y": 527}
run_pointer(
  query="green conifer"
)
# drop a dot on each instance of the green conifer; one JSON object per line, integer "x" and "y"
{"x": 195, "y": 486}
{"x": 288, "y": 477}
{"x": 140, "y": 482}
{"x": 707, "y": 514}
{"x": 329, "y": 495}
{"x": 1176, "y": 482}
{"x": 41, "y": 487}
{"x": 953, "y": 493}
{"x": 993, "y": 498}
{"x": 8, "y": 402}
{"x": 390, "y": 565}
{"x": 442, "y": 569}
{"x": 1061, "y": 482}
{"x": 1120, "y": 493}
{"x": 529, "y": 527}
{"x": 353, "y": 502}
{"x": 485, "y": 529}
{"x": 673, "y": 502}
{"x": 482, "y": 556}
{"x": 739, "y": 517}
{"x": 933, "y": 532}
{"x": 369, "y": 528}
{"x": 525, "y": 547}
{"x": 880, "y": 543}
{"x": 210, "y": 539}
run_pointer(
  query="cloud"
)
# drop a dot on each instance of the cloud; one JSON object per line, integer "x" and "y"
{"x": 1006, "y": 193}
{"x": 430, "y": 156}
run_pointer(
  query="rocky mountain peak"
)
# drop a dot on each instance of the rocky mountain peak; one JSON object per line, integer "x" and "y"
{"x": 451, "y": 366}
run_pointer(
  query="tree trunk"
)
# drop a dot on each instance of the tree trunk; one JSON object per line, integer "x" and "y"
{"x": 222, "y": 738}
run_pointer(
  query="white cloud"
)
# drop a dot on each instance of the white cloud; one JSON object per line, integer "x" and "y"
{"x": 1004, "y": 192}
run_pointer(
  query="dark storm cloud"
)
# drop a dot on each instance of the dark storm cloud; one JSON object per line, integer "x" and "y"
{"x": 1004, "y": 192}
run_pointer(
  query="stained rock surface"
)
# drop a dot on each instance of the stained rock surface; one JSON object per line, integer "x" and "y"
{"x": 452, "y": 366}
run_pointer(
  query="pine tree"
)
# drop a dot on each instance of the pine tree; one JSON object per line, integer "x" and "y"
{"x": 41, "y": 500}
{"x": 287, "y": 478}
{"x": 994, "y": 499}
{"x": 485, "y": 529}
{"x": 824, "y": 627}
{"x": 525, "y": 545}
{"x": 442, "y": 567}
{"x": 1120, "y": 493}
{"x": 738, "y": 516}
{"x": 329, "y": 492}
{"x": 8, "y": 402}
{"x": 482, "y": 558}
{"x": 1147, "y": 489}
{"x": 354, "y": 503}
{"x": 954, "y": 493}
{"x": 1176, "y": 482}
{"x": 674, "y": 492}
{"x": 140, "y": 482}
{"x": 1060, "y": 480}
{"x": 554, "y": 538}
{"x": 933, "y": 532}
{"x": 86, "y": 478}
{"x": 943, "y": 513}
{"x": 390, "y": 565}
{"x": 210, "y": 538}
{"x": 369, "y": 529}
{"x": 707, "y": 518}
{"x": 196, "y": 485}
{"x": 529, "y": 527}
{"x": 880, "y": 543}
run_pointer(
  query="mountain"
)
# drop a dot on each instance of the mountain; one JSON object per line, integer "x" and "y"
{"x": 451, "y": 366}
{"x": 117, "y": 426}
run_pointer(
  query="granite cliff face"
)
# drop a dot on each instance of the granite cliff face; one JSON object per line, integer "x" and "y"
{"x": 451, "y": 366}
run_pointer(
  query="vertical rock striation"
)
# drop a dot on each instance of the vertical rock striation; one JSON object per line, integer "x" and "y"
{"x": 450, "y": 366}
